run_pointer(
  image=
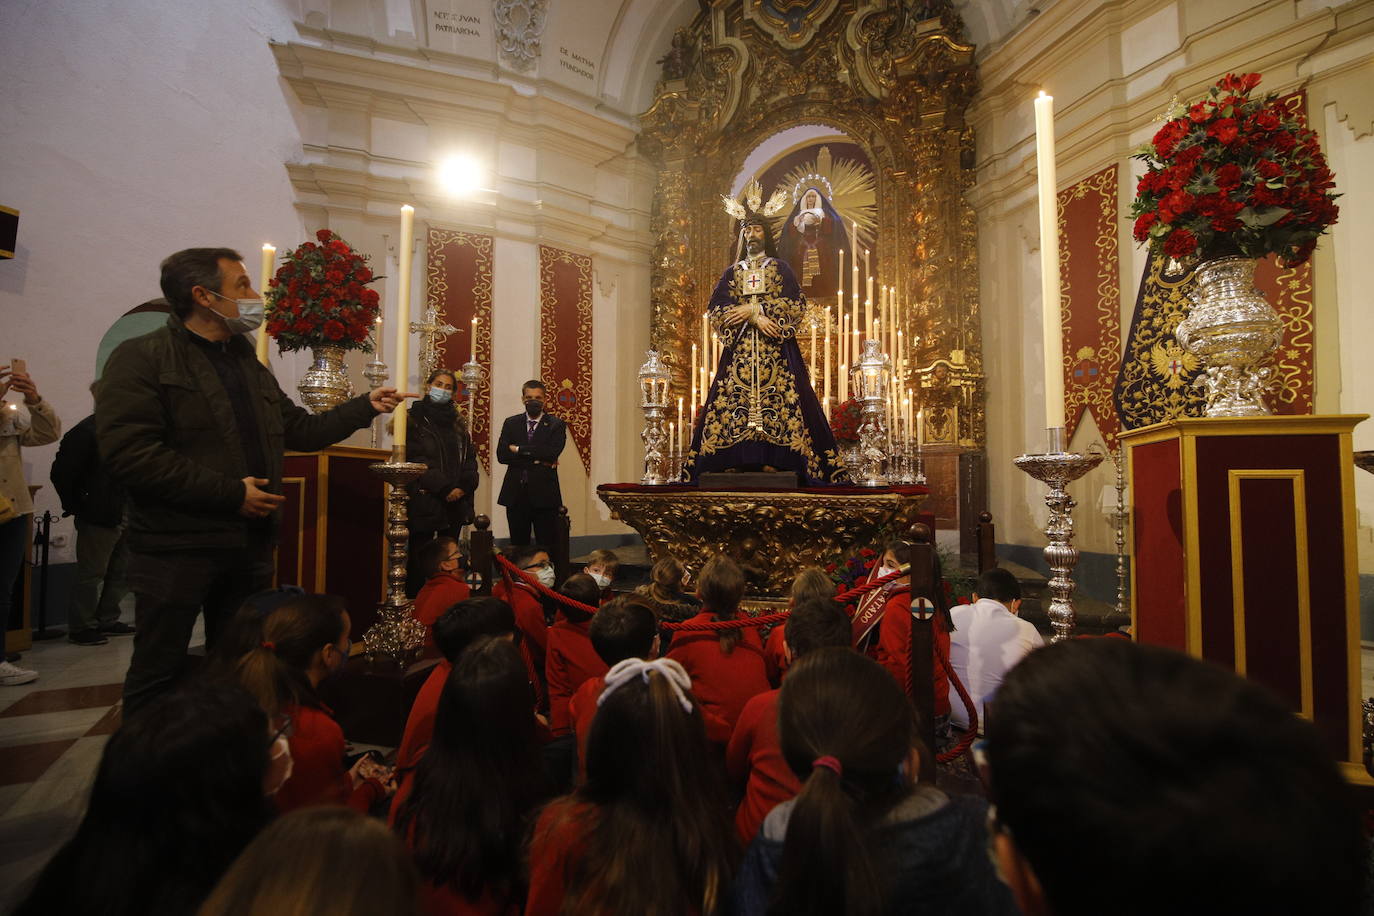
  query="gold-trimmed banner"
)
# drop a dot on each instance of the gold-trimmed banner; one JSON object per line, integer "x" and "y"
{"x": 459, "y": 289}
{"x": 565, "y": 341}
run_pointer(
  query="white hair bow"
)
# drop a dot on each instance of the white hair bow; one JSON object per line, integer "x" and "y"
{"x": 627, "y": 670}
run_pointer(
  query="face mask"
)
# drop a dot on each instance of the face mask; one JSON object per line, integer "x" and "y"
{"x": 545, "y": 576}
{"x": 534, "y": 408}
{"x": 602, "y": 581}
{"x": 440, "y": 395}
{"x": 884, "y": 571}
{"x": 280, "y": 748}
{"x": 250, "y": 314}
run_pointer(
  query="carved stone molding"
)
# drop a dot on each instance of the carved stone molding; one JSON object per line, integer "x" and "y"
{"x": 519, "y": 29}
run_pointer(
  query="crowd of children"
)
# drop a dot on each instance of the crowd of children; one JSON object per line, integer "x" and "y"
{"x": 643, "y": 753}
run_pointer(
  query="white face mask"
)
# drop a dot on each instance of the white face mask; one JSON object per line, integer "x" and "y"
{"x": 545, "y": 576}
{"x": 280, "y": 748}
{"x": 251, "y": 312}
{"x": 884, "y": 571}
{"x": 602, "y": 580}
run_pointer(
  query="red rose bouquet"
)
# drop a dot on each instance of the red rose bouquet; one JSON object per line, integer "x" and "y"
{"x": 1234, "y": 175}
{"x": 319, "y": 297}
{"x": 845, "y": 420}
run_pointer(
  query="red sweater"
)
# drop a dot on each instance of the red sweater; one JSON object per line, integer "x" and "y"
{"x": 723, "y": 683}
{"x": 755, "y": 753}
{"x": 559, "y": 838}
{"x": 439, "y": 594}
{"x": 775, "y": 655}
{"x": 581, "y": 712}
{"x": 569, "y": 663}
{"x": 891, "y": 647}
{"x": 420, "y": 723}
{"x": 318, "y": 776}
{"x": 529, "y": 618}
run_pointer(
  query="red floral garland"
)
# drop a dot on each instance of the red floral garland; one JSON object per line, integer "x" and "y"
{"x": 319, "y": 298}
{"x": 1232, "y": 174}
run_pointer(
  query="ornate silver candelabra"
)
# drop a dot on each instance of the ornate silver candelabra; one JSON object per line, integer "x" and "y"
{"x": 1058, "y": 468}
{"x": 870, "y": 381}
{"x": 396, "y": 633}
{"x": 653, "y": 388}
{"x": 473, "y": 376}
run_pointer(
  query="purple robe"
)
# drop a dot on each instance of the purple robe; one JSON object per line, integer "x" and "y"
{"x": 760, "y": 409}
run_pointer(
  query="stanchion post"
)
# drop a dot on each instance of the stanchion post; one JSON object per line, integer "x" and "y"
{"x": 922, "y": 686}
{"x": 560, "y": 550}
{"x": 987, "y": 542}
{"x": 479, "y": 554}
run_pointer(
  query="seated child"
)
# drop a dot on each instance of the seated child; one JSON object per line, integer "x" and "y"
{"x": 442, "y": 565}
{"x": 623, "y": 628}
{"x": 602, "y": 566}
{"x": 811, "y": 582}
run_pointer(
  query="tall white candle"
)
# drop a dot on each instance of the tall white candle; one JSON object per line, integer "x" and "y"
{"x": 692, "y": 379}
{"x": 920, "y": 427}
{"x": 269, "y": 254}
{"x": 402, "y": 358}
{"x": 868, "y": 306}
{"x": 705, "y": 337}
{"x": 812, "y": 367}
{"x": 679, "y": 413}
{"x": 844, "y": 383}
{"x": 1049, "y": 261}
{"x": 827, "y": 351}
{"x": 472, "y": 353}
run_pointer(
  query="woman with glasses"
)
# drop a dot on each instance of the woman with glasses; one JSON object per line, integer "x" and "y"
{"x": 304, "y": 641}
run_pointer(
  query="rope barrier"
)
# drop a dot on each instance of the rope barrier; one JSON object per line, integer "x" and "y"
{"x": 508, "y": 567}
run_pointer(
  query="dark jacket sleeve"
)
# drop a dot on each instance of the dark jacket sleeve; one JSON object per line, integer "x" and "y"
{"x": 550, "y": 449}
{"x": 77, "y": 460}
{"x": 132, "y": 432}
{"x": 468, "y": 476}
{"x": 503, "y": 444}
{"x": 307, "y": 432}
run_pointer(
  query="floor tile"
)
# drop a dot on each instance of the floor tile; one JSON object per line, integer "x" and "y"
{"x": 27, "y": 762}
{"x": 62, "y": 699}
{"x": 51, "y": 726}
{"x": 108, "y": 722}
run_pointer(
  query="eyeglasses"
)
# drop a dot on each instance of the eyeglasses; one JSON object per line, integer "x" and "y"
{"x": 536, "y": 565}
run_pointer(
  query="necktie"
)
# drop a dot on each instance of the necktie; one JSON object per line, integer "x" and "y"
{"x": 529, "y": 429}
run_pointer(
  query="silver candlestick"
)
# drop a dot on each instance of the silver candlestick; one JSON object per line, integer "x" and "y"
{"x": 396, "y": 633}
{"x": 1058, "y": 468}
{"x": 870, "y": 382}
{"x": 653, "y": 388}
{"x": 376, "y": 372}
{"x": 472, "y": 375}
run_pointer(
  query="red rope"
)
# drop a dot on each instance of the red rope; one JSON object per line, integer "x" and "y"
{"x": 965, "y": 742}
{"x": 739, "y": 623}
{"x": 508, "y": 567}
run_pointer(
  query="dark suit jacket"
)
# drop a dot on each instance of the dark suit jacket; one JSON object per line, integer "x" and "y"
{"x": 531, "y": 480}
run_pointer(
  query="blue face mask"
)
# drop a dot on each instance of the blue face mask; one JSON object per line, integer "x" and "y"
{"x": 440, "y": 395}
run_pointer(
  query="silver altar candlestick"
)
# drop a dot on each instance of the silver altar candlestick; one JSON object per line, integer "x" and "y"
{"x": 1120, "y": 520}
{"x": 376, "y": 372}
{"x": 396, "y": 633}
{"x": 1057, "y": 469}
{"x": 870, "y": 380}
{"x": 472, "y": 375}
{"x": 653, "y": 387}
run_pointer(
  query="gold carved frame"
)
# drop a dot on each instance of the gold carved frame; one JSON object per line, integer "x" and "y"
{"x": 895, "y": 77}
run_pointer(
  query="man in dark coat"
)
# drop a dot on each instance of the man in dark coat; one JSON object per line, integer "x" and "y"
{"x": 530, "y": 444}
{"x": 96, "y": 500}
{"x": 195, "y": 428}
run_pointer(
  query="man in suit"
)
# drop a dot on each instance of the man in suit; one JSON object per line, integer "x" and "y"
{"x": 530, "y": 444}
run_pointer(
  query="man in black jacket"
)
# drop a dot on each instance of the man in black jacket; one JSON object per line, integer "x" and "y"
{"x": 195, "y": 428}
{"x": 96, "y": 500}
{"x": 530, "y": 444}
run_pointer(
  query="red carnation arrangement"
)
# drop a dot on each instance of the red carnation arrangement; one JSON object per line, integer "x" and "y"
{"x": 319, "y": 297}
{"x": 845, "y": 420}
{"x": 1234, "y": 175}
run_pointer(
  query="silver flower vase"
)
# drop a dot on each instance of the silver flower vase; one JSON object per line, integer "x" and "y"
{"x": 325, "y": 384}
{"x": 1231, "y": 329}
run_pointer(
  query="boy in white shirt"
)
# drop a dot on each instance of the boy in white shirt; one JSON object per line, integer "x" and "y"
{"x": 988, "y": 640}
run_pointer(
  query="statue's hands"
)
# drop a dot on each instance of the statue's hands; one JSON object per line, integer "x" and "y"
{"x": 738, "y": 315}
{"x": 768, "y": 326}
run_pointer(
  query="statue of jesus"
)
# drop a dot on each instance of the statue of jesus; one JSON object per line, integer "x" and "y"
{"x": 761, "y": 412}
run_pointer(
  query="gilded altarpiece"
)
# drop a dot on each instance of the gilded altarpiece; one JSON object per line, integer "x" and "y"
{"x": 895, "y": 77}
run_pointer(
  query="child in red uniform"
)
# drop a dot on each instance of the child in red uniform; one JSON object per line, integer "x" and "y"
{"x": 528, "y": 605}
{"x": 303, "y": 642}
{"x": 754, "y": 752}
{"x": 571, "y": 659}
{"x": 463, "y": 625}
{"x": 888, "y": 640}
{"x": 811, "y": 582}
{"x": 623, "y": 628}
{"x": 464, "y": 811}
{"x": 726, "y": 666}
{"x": 647, "y": 832}
{"x": 442, "y": 565}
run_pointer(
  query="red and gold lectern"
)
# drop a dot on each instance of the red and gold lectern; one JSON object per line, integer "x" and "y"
{"x": 333, "y": 528}
{"x": 1243, "y": 553}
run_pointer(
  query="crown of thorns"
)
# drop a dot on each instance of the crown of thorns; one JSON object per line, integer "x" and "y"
{"x": 751, "y": 206}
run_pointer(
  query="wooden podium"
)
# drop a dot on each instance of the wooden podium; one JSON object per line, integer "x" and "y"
{"x": 1243, "y": 553}
{"x": 333, "y": 528}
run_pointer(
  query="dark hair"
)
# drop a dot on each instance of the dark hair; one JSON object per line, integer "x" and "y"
{"x": 721, "y": 586}
{"x": 442, "y": 371}
{"x": 666, "y": 580}
{"x": 998, "y": 584}
{"x": 839, "y": 703}
{"x": 817, "y": 623}
{"x": 532, "y": 383}
{"x": 470, "y": 619}
{"x": 811, "y": 582}
{"x": 579, "y": 587}
{"x": 432, "y": 554}
{"x": 623, "y": 628}
{"x": 177, "y": 795}
{"x": 189, "y": 268}
{"x": 770, "y": 247}
{"x": 899, "y": 549}
{"x": 275, "y": 670}
{"x": 648, "y": 790}
{"x": 318, "y": 861}
{"x": 1152, "y": 777}
{"x": 465, "y": 818}
{"x": 521, "y": 555}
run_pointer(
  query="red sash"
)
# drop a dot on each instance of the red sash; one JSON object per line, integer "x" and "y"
{"x": 870, "y": 610}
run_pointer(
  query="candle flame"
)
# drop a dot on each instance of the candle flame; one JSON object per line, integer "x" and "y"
{"x": 1044, "y": 95}
{"x": 407, "y": 208}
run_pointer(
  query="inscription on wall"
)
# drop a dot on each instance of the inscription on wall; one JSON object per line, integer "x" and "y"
{"x": 460, "y": 26}
{"x": 571, "y": 63}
